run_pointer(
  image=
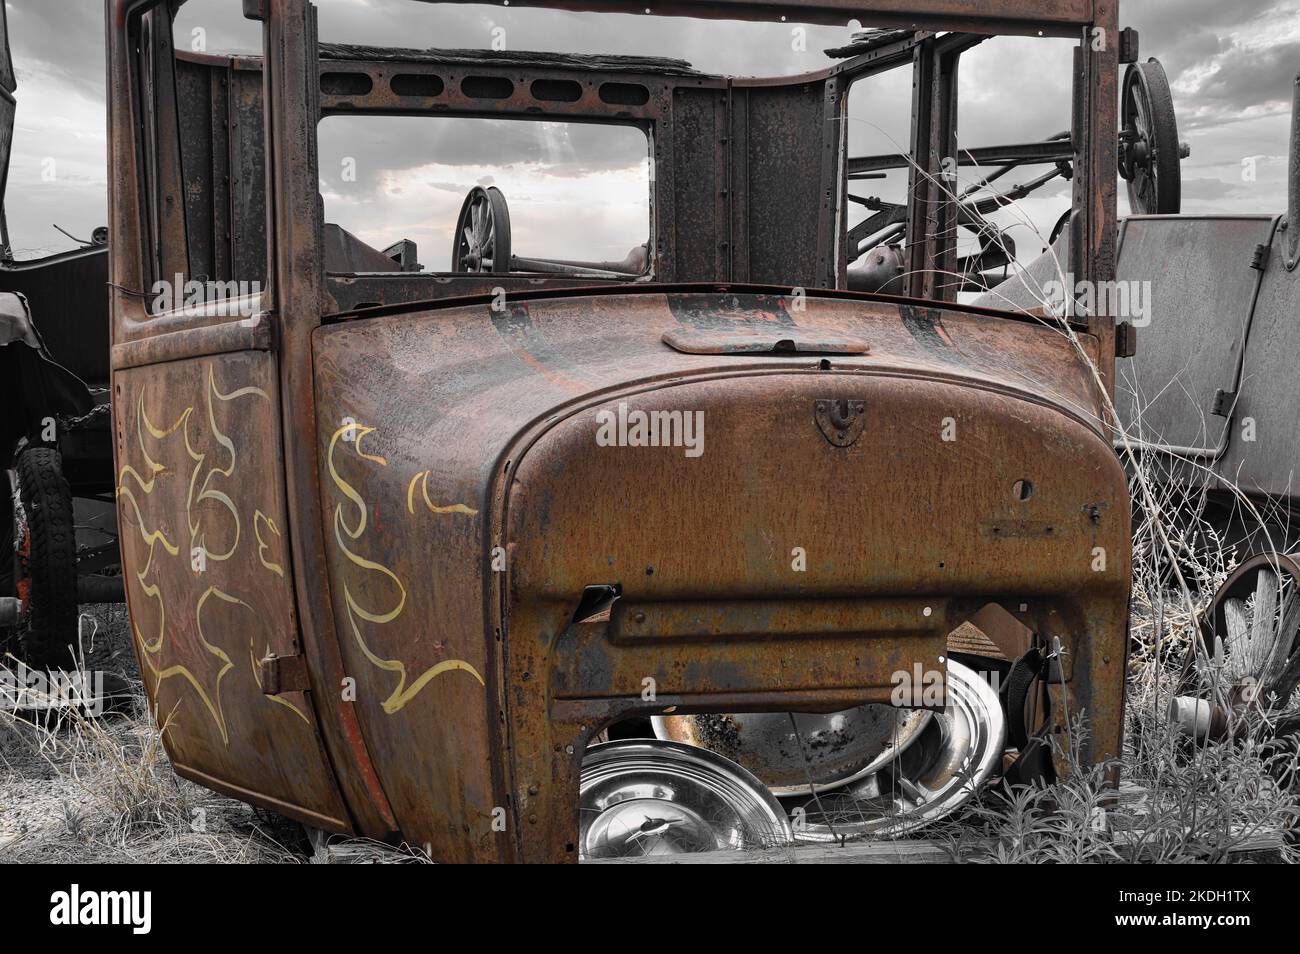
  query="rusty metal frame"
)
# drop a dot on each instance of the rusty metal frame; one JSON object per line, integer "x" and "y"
{"x": 193, "y": 336}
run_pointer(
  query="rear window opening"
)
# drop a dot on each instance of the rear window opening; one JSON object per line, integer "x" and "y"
{"x": 395, "y": 191}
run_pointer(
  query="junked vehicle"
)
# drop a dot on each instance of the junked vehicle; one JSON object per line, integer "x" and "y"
{"x": 406, "y": 550}
{"x": 58, "y": 542}
{"x": 1209, "y": 403}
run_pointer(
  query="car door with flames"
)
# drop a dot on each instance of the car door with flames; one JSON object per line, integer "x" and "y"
{"x": 196, "y": 396}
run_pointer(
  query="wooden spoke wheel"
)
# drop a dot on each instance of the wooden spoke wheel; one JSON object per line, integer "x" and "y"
{"x": 483, "y": 233}
{"x": 1250, "y": 630}
{"x": 1149, "y": 151}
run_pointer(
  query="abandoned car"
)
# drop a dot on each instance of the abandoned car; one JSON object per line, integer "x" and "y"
{"x": 58, "y": 542}
{"x": 755, "y": 532}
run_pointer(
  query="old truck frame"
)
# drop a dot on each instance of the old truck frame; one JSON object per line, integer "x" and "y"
{"x": 367, "y": 526}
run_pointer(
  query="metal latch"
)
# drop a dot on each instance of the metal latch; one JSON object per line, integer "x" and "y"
{"x": 840, "y": 421}
{"x": 283, "y": 674}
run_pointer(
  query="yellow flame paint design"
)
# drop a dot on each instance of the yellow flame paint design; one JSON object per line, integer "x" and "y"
{"x": 260, "y": 519}
{"x": 205, "y": 490}
{"x": 402, "y": 693}
{"x": 150, "y": 538}
{"x": 422, "y": 479}
{"x": 211, "y": 702}
{"x": 198, "y": 491}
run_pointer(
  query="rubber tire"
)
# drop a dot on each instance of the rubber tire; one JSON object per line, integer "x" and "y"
{"x": 49, "y": 625}
{"x": 8, "y": 560}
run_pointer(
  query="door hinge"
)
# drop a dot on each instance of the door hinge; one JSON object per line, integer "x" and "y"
{"x": 1128, "y": 45}
{"x": 1126, "y": 340}
{"x": 1259, "y": 257}
{"x": 1224, "y": 402}
{"x": 283, "y": 674}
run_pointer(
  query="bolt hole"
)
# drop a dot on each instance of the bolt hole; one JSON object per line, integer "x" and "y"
{"x": 824, "y": 364}
{"x": 649, "y": 571}
{"x": 1023, "y": 490}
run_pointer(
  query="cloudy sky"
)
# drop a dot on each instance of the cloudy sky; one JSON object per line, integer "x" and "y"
{"x": 580, "y": 191}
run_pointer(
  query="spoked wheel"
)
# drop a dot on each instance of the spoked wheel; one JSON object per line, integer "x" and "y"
{"x": 483, "y": 233}
{"x": 1251, "y": 629}
{"x": 1149, "y": 147}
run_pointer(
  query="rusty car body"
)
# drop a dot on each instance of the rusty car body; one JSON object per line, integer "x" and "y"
{"x": 366, "y": 524}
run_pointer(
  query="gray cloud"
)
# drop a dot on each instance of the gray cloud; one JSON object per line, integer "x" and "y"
{"x": 1231, "y": 65}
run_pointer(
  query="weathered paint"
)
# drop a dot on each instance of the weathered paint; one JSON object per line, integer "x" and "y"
{"x": 201, "y": 510}
{"x": 445, "y": 500}
{"x": 475, "y": 431}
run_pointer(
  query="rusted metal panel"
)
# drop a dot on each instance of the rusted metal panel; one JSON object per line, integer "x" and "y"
{"x": 247, "y": 171}
{"x": 1194, "y": 275}
{"x": 792, "y": 195}
{"x": 698, "y": 235}
{"x": 201, "y": 108}
{"x": 167, "y": 209}
{"x": 1264, "y": 443}
{"x": 1095, "y": 135}
{"x": 499, "y": 450}
{"x": 202, "y": 518}
{"x": 297, "y": 277}
{"x": 405, "y": 564}
{"x": 219, "y": 114}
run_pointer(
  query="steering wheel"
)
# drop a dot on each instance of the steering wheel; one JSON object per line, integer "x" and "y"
{"x": 482, "y": 242}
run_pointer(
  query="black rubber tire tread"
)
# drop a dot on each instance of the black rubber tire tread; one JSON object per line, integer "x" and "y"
{"x": 8, "y": 561}
{"x": 49, "y": 626}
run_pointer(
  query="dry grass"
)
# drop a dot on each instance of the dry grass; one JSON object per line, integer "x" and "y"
{"x": 1178, "y": 802}
{"x": 102, "y": 790}
{"x": 76, "y": 789}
